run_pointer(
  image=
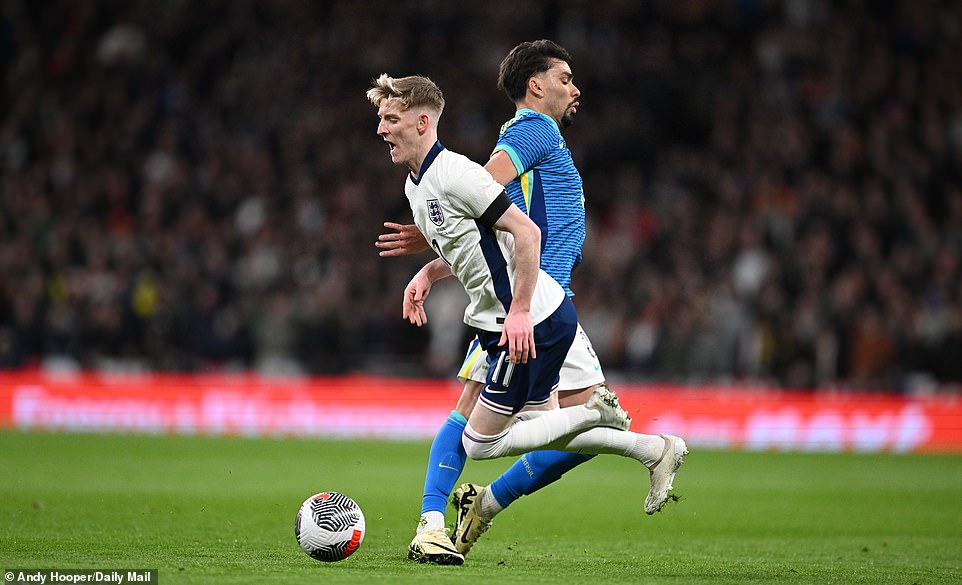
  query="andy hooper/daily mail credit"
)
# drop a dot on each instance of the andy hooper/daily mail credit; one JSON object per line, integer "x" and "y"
{"x": 56, "y": 576}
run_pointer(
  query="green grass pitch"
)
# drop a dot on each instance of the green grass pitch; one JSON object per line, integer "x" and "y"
{"x": 221, "y": 510}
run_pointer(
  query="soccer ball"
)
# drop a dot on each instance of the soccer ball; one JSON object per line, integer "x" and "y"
{"x": 329, "y": 526}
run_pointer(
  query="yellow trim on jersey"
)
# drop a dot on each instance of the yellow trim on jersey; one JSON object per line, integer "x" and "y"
{"x": 523, "y": 176}
{"x": 526, "y": 191}
{"x": 465, "y": 370}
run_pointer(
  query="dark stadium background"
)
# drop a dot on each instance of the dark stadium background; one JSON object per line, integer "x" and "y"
{"x": 774, "y": 188}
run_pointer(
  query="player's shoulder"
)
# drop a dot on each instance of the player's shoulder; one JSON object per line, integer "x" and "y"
{"x": 457, "y": 172}
{"x": 455, "y": 163}
{"x": 526, "y": 120}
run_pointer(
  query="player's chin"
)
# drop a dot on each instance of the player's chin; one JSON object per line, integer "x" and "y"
{"x": 568, "y": 119}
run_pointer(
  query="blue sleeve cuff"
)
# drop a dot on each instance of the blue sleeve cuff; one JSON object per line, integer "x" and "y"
{"x": 514, "y": 157}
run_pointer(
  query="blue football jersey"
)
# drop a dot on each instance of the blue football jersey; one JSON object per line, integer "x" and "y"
{"x": 548, "y": 189}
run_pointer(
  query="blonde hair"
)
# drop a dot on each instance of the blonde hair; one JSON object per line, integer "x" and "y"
{"x": 411, "y": 92}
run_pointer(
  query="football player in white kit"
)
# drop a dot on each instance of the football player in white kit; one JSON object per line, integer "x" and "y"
{"x": 493, "y": 249}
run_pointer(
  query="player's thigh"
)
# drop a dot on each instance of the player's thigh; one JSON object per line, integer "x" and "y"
{"x": 550, "y": 404}
{"x": 581, "y": 368}
{"x": 469, "y": 397}
{"x": 487, "y": 422}
{"x": 511, "y": 387}
{"x": 472, "y": 373}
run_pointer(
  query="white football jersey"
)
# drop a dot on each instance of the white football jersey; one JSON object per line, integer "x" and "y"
{"x": 449, "y": 201}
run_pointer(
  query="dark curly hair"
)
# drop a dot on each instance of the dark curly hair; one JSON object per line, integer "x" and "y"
{"x": 527, "y": 59}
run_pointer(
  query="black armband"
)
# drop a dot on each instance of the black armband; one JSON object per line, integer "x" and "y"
{"x": 494, "y": 211}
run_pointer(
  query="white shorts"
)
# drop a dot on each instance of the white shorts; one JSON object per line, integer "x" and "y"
{"x": 580, "y": 370}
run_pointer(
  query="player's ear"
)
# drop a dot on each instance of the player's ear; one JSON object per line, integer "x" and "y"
{"x": 423, "y": 122}
{"x": 535, "y": 87}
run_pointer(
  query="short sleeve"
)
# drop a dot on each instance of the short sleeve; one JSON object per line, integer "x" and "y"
{"x": 528, "y": 140}
{"x": 474, "y": 191}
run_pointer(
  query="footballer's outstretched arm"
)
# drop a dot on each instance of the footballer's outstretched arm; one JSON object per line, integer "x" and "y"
{"x": 518, "y": 330}
{"x": 405, "y": 239}
{"x": 412, "y": 307}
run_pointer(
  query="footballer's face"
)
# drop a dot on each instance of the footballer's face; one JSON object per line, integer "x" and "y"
{"x": 399, "y": 128}
{"x": 560, "y": 93}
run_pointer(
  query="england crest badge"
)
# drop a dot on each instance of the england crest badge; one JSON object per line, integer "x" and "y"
{"x": 434, "y": 212}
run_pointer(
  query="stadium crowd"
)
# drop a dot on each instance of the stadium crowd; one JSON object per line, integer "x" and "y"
{"x": 773, "y": 188}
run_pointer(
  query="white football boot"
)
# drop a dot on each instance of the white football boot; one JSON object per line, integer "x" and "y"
{"x": 612, "y": 414}
{"x": 663, "y": 473}
{"x": 434, "y": 546}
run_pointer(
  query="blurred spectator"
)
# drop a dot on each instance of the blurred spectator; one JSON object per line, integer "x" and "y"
{"x": 774, "y": 188}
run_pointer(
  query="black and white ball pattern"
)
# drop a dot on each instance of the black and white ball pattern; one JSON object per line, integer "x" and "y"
{"x": 329, "y": 526}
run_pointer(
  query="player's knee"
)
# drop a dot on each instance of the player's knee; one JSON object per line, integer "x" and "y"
{"x": 475, "y": 450}
{"x": 481, "y": 447}
{"x": 528, "y": 415}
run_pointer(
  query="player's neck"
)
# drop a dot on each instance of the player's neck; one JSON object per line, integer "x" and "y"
{"x": 424, "y": 148}
{"x": 534, "y": 107}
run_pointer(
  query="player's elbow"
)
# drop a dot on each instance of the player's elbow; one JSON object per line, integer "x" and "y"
{"x": 533, "y": 233}
{"x": 528, "y": 238}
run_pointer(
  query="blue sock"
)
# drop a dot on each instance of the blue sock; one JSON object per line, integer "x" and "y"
{"x": 445, "y": 463}
{"x": 531, "y": 472}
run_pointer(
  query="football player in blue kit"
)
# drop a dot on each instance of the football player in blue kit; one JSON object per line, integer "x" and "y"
{"x": 522, "y": 317}
{"x": 532, "y": 160}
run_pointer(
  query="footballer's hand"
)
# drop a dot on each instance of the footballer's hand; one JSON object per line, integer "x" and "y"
{"x": 404, "y": 240}
{"x": 412, "y": 307}
{"x": 518, "y": 333}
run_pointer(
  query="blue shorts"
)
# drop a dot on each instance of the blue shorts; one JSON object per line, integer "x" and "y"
{"x": 511, "y": 387}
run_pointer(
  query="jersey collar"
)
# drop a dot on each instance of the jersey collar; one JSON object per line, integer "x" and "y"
{"x": 432, "y": 154}
{"x": 545, "y": 116}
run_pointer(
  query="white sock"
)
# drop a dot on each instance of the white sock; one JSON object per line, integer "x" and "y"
{"x": 489, "y": 506}
{"x": 529, "y": 435}
{"x": 603, "y": 440}
{"x": 430, "y": 521}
